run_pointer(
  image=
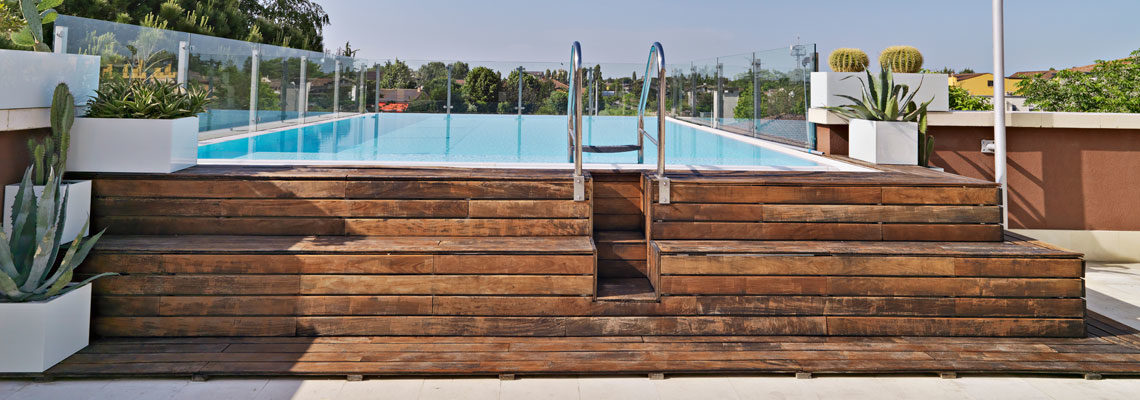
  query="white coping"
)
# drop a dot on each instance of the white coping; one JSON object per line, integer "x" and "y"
{"x": 825, "y": 163}
{"x": 1013, "y": 119}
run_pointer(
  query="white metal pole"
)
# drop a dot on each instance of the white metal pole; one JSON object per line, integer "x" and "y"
{"x": 60, "y": 40}
{"x": 999, "y": 108}
{"x": 448, "y": 106}
{"x": 183, "y": 62}
{"x": 303, "y": 91}
{"x": 254, "y": 80}
{"x": 336, "y": 89}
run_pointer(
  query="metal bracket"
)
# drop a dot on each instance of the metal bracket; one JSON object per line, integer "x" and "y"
{"x": 579, "y": 188}
{"x": 988, "y": 146}
{"x": 663, "y": 190}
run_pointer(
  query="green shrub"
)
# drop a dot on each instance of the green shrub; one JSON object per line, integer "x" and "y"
{"x": 30, "y": 268}
{"x": 962, "y": 100}
{"x": 901, "y": 59}
{"x": 146, "y": 99}
{"x": 848, "y": 60}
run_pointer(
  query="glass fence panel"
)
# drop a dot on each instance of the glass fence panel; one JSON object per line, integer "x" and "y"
{"x": 279, "y": 87}
{"x": 320, "y": 79}
{"x": 127, "y": 51}
{"x": 347, "y": 94}
{"x": 227, "y": 78}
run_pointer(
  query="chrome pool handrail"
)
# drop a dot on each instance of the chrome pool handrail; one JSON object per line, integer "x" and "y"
{"x": 574, "y": 120}
{"x": 656, "y": 52}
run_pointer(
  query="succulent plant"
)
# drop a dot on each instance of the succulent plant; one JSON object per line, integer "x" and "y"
{"x": 50, "y": 153}
{"x": 883, "y": 100}
{"x": 36, "y": 13}
{"x": 29, "y": 270}
{"x": 147, "y": 98}
{"x": 901, "y": 59}
{"x": 848, "y": 60}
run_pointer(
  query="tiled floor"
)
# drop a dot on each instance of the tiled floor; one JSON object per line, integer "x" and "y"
{"x": 1113, "y": 290}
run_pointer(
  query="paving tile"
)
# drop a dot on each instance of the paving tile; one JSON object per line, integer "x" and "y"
{"x": 141, "y": 389}
{"x": 381, "y": 389}
{"x": 59, "y": 390}
{"x": 460, "y": 389}
{"x": 1076, "y": 388}
{"x": 222, "y": 389}
{"x": 772, "y": 388}
{"x": 695, "y": 388}
{"x": 8, "y": 387}
{"x": 925, "y": 388}
{"x": 296, "y": 389}
{"x": 539, "y": 389}
{"x": 1003, "y": 388}
{"x": 847, "y": 388}
{"x": 617, "y": 389}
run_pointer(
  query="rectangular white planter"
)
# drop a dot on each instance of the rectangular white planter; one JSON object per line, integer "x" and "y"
{"x": 883, "y": 142}
{"x": 76, "y": 215}
{"x": 35, "y": 336}
{"x": 29, "y": 78}
{"x": 133, "y": 145}
{"x": 826, "y": 87}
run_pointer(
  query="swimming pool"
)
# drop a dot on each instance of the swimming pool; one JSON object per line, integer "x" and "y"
{"x": 416, "y": 139}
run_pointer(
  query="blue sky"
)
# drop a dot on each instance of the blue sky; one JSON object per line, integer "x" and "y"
{"x": 1039, "y": 33}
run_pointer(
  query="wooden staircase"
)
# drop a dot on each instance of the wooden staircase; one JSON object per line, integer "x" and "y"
{"x": 619, "y": 234}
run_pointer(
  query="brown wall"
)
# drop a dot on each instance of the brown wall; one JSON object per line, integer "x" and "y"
{"x": 14, "y": 154}
{"x": 1059, "y": 178}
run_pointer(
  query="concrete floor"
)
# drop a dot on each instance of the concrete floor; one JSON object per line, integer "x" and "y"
{"x": 1113, "y": 290}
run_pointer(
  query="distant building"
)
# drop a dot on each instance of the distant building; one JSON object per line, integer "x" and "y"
{"x": 982, "y": 84}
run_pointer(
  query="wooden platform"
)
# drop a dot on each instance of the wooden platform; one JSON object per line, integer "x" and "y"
{"x": 1109, "y": 351}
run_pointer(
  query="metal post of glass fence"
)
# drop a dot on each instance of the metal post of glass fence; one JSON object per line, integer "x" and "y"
{"x": 520, "y": 106}
{"x": 60, "y": 45}
{"x": 448, "y": 106}
{"x": 284, "y": 92}
{"x": 254, "y": 79}
{"x": 755, "y": 93}
{"x": 376, "y": 101}
{"x": 718, "y": 101}
{"x": 336, "y": 89}
{"x": 360, "y": 92}
{"x": 183, "y": 62}
{"x": 303, "y": 91}
{"x": 693, "y": 90}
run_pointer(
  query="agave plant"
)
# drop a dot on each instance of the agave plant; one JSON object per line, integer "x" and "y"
{"x": 147, "y": 98}
{"x": 883, "y": 100}
{"x": 28, "y": 259}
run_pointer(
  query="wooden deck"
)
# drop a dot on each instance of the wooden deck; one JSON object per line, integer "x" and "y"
{"x": 1109, "y": 350}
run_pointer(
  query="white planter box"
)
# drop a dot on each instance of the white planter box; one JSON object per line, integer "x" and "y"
{"x": 882, "y": 142}
{"x": 77, "y": 213}
{"x": 826, "y": 87}
{"x": 35, "y": 336}
{"x": 133, "y": 145}
{"x": 29, "y": 78}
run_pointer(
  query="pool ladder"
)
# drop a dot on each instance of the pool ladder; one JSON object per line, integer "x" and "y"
{"x": 574, "y": 122}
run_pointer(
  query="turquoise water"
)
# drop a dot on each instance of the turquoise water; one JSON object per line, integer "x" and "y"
{"x": 488, "y": 138}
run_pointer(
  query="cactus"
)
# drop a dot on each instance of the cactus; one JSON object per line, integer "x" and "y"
{"x": 30, "y": 268}
{"x": 901, "y": 59}
{"x": 848, "y": 60}
{"x": 36, "y": 13}
{"x": 51, "y": 152}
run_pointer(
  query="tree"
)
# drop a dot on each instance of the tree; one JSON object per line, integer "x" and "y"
{"x": 432, "y": 71}
{"x": 459, "y": 70}
{"x": 1111, "y": 87}
{"x": 744, "y": 105}
{"x": 397, "y": 75}
{"x": 962, "y": 100}
{"x": 291, "y": 23}
{"x": 347, "y": 51}
{"x": 482, "y": 86}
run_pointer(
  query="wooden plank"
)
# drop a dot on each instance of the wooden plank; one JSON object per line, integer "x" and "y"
{"x": 877, "y": 326}
{"x": 764, "y": 231}
{"x": 259, "y": 264}
{"x": 558, "y": 326}
{"x": 617, "y": 205}
{"x": 221, "y": 188}
{"x": 119, "y": 206}
{"x": 513, "y": 264}
{"x": 528, "y": 209}
{"x": 198, "y": 285}
{"x": 743, "y": 285}
{"x": 626, "y": 190}
{"x": 708, "y": 212}
{"x": 523, "y": 190}
{"x": 964, "y": 287}
{"x": 961, "y": 307}
{"x": 715, "y": 193}
{"x": 447, "y": 284}
{"x": 621, "y": 251}
{"x": 942, "y": 232}
{"x": 194, "y": 326}
{"x": 945, "y": 195}
{"x": 158, "y": 225}
{"x": 868, "y": 265}
{"x": 864, "y": 213}
{"x": 218, "y": 306}
{"x": 955, "y": 249}
{"x": 622, "y": 269}
{"x": 626, "y": 222}
{"x": 468, "y": 227}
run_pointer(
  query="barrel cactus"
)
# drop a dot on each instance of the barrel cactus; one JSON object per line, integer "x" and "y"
{"x": 848, "y": 60}
{"x": 901, "y": 59}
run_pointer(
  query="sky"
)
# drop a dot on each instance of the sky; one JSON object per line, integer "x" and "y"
{"x": 1039, "y": 33}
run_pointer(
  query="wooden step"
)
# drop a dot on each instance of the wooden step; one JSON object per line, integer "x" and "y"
{"x": 628, "y": 289}
{"x": 621, "y": 254}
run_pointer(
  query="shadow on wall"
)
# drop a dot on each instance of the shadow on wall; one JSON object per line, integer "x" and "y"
{"x": 14, "y": 157}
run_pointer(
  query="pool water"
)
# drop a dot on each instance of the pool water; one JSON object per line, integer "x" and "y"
{"x": 469, "y": 138}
